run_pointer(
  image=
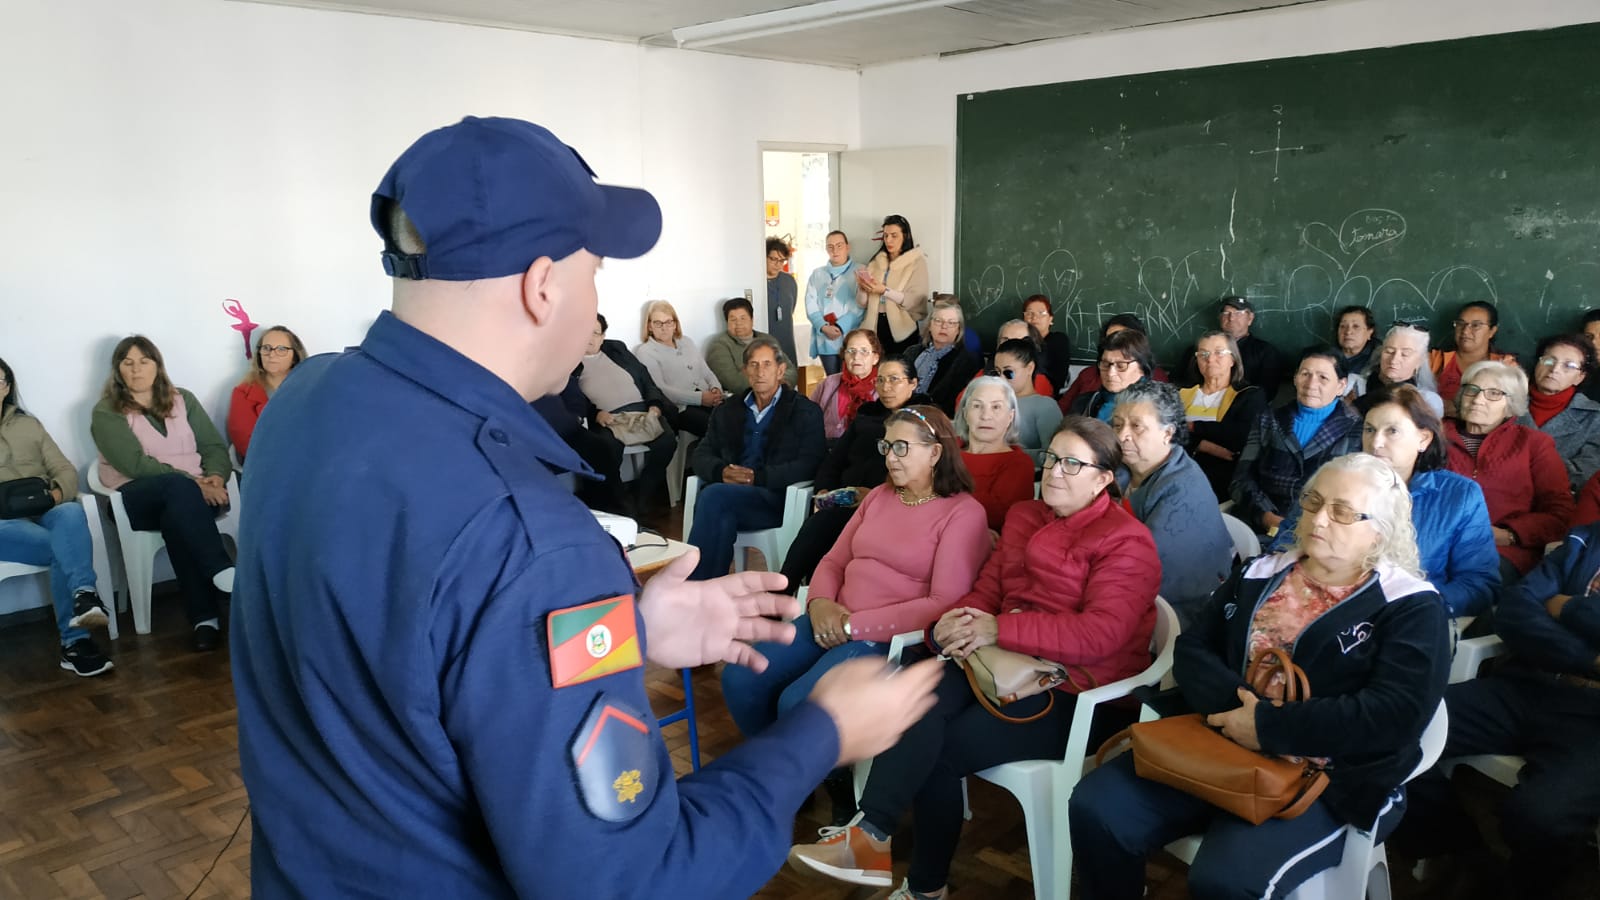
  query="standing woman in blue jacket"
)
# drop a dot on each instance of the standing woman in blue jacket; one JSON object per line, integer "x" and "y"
{"x": 1350, "y": 604}
{"x": 1454, "y": 538}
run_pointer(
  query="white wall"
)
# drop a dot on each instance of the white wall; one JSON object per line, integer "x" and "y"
{"x": 164, "y": 155}
{"x": 914, "y": 102}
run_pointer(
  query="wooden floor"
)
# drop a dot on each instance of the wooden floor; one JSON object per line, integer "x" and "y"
{"x": 127, "y": 785}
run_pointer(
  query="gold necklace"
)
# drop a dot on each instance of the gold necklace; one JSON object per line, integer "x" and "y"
{"x": 901, "y": 493}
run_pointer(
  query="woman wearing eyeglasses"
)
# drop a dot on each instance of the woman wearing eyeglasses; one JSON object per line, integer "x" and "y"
{"x": 782, "y": 292}
{"x": 1475, "y": 326}
{"x": 1125, "y": 360}
{"x": 1037, "y": 417}
{"x": 1073, "y": 580}
{"x": 1088, "y": 380}
{"x": 1401, "y": 359}
{"x": 1559, "y": 409}
{"x": 1002, "y": 472}
{"x": 1348, "y": 600}
{"x": 831, "y": 302}
{"x": 843, "y": 393}
{"x": 678, "y": 369}
{"x": 277, "y": 351}
{"x": 893, "y": 288}
{"x": 853, "y": 466}
{"x": 943, "y": 364}
{"x": 1523, "y": 477}
{"x": 1219, "y": 409}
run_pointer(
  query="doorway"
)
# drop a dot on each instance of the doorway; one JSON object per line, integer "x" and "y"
{"x": 798, "y": 207}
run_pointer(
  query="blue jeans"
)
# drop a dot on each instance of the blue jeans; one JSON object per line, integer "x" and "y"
{"x": 721, "y": 511}
{"x": 756, "y": 701}
{"x": 58, "y": 539}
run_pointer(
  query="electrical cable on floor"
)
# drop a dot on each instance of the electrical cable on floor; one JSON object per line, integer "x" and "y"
{"x": 213, "y": 866}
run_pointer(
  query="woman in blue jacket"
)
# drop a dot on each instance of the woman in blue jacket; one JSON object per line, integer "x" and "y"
{"x": 1454, "y": 537}
{"x": 1347, "y": 600}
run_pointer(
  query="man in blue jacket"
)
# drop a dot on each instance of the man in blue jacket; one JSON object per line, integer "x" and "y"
{"x": 438, "y": 654}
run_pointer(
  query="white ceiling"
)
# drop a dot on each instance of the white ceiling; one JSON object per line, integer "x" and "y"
{"x": 930, "y": 29}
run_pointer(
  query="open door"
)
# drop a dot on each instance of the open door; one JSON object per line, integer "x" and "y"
{"x": 907, "y": 181}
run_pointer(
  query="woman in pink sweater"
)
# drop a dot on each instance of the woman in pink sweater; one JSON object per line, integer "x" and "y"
{"x": 909, "y": 553}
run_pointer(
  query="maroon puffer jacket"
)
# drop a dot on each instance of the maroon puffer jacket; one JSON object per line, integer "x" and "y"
{"x": 1078, "y": 590}
{"x": 1524, "y": 482}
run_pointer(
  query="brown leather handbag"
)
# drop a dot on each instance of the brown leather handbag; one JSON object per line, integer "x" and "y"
{"x": 1002, "y": 677}
{"x": 1186, "y": 753}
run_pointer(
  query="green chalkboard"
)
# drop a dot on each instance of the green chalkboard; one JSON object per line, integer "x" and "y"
{"x": 1407, "y": 179}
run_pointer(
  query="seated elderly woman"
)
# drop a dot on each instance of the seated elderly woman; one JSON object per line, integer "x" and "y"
{"x": 852, "y": 468}
{"x": 678, "y": 369}
{"x": 1523, "y": 479}
{"x": 627, "y": 409}
{"x": 1454, "y": 540}
{"x": 1401, "y": 359}
{"x": 1037, "y": 416}
{"x": 1287, "y": 444}
{"x": 1557, "y": 408}
{"x": 911, "y": 552}
{"x": 1125, "y": 359}
{"x": 1169, "y": 494}
{"x": 277, "y": 351}
{"x": 942, "y": 364}
{"x": 1349, "y": 602}
{"x": 1088, "y": 379}
{"x": 1221, "y": 408}
{"x": 56, "y": 535}
{"x": 1002, "y": 472}
{"x": 1073, "y": 580}
{"x": 843, "y": 393}
{"x": 159, "y": 449}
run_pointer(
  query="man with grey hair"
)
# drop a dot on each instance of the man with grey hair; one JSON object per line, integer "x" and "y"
{"x": 752, "y": 451}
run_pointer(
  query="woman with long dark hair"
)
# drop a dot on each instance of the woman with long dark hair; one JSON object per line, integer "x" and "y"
{"x": 893, "y": 288}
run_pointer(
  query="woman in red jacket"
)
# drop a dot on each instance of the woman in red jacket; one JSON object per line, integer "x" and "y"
{"x": 1523, "y": 477}
{"x": 277, "y": 351}
{"x": 1073, "y": 580}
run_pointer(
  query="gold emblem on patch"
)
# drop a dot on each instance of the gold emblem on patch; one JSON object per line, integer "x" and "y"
{"x": 628, "y": 786}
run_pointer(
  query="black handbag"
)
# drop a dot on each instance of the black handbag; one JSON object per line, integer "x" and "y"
{"x": 24, "y": 498}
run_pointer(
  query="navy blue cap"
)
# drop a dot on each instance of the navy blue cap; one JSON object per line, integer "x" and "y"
{"x": 490, "y": 196}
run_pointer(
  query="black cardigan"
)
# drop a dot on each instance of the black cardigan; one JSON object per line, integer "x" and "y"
{"x": 853, "y": 460}
{"x": 950, "y": 377}
{"x": 1230, "y": 433}
{"x": 795, "y": 443}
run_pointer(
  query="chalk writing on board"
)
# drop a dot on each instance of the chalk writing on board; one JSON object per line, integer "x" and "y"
{"x": 1277, "y": 149}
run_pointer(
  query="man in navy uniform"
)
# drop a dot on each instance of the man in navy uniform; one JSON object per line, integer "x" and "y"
{"x": 438, "y": 654}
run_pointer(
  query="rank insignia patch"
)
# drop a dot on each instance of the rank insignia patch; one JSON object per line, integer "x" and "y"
{"x": 592, "y": 640}
{"x": 614, "y": 758}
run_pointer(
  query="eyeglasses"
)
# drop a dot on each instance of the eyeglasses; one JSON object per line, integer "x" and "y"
{"x": 1070, "y": 465}
{"x": 4, "y": 381}
{"x": 1312, "y": 502}
{"x": 1009, "y": 373}
{"x": 899, "y": 448}
{"x": 1034, "y": 315}
{"x": 656, "y": 322}
{"x": 945, "y": 323}
{"x": 1203, "y": 355}
{"x": 275, "y": 349}
{"x": 859, "y": 351}
{"x": 1463, "y": 325}
{"x": 1121, "y": 365}
{"x": 1472, "y": 390}
{"x": 775, "y": 258}
{"x": 1550, "y": 362}
{"x": 891, "y": 380}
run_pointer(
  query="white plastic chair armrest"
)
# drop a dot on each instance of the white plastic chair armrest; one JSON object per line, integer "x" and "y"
{"x": 1472, "y": 653}
{"x": 899, "y": 643}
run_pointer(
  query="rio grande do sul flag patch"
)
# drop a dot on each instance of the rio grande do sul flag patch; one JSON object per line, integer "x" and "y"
{"x": 592, "y": 640}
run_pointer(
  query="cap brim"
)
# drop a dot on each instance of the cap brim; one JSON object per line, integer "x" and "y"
{"x": 629, "y": 225}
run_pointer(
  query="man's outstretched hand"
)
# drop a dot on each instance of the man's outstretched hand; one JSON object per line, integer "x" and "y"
{"x": 693, "y": 623}
{"x": 873, "y": 703}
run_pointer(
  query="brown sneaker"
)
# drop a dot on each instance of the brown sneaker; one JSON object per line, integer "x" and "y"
{"x": 846, "y": 853}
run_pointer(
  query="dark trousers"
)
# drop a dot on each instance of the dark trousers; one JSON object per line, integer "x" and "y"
{"x": 1118, "y": 818}
{"x": 651, "y": 481}
{"x": 693, "y": 419}
{"x": 1548, "y": 816}
{"x": 721, "y": 511}
{"x": 891, "y": 347}
{"x": 956, "y": 738}
{"x": 173, "y": 505}
{"x": 596, "y": 451}
{"x": 830, "y": 363}
{"x": 817, "y": 536}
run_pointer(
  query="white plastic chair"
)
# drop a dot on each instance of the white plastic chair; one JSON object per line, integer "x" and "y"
{"x": 102, "y": 575}
{"x": 1043, "y": 787}
{"x": 1472, "y": 653}
{"x": 772, "y": 542}
{"x": 139, "y": 548}
{"x": 1245, "y": 543}
{"x": 1363, "y": 870}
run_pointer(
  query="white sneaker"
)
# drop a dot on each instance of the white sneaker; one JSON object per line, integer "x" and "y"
{"x": 224, "y": 580}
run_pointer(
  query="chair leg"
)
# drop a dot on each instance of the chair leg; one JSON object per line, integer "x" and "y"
{"x": 694, "y": 727}
{"x": 141, "y": 571}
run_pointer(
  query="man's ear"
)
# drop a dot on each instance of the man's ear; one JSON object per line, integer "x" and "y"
{"x": 537, "y": 289}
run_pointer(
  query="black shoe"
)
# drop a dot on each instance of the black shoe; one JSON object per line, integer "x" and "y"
{"x": 83, "y": 658}
{"x": 206, "y": 638}
{"x": 88, "y": 611}
{"x": 841, "y": 787}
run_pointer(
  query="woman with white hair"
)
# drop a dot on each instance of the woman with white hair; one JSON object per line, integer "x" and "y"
{"x": 1348, "y": 600}
{"x": 1169, "y": 493}
{"x": 1002, "y": 472}
{"x": 1523, "y": 477}
{"x": 1402, "y": 359}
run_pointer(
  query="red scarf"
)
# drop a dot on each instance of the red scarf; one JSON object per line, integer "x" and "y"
{"x": 855, "y": 391}
{"x": 1544, "y": 407}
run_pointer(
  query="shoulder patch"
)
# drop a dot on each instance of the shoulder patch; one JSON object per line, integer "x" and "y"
{"x": 592, "y": 640}
{"x": 615, "y": 761}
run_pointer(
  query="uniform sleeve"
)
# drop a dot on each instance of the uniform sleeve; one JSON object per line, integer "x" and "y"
{"x": 1550, "y": 508}
{"x": 1119, "y": 590}
{"x": 1521, "y": 619}
{"x": 213, "y": 449}
{"x": 63, "y": 474}
{"x": 719, "y": 833}
{"x": 120, "y": 446}
{"x": 958, "y": 550}
{"x": 1472, "y": 574}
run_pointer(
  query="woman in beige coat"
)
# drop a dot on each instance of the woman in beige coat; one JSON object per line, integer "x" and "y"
{"x": 894, "y": 289}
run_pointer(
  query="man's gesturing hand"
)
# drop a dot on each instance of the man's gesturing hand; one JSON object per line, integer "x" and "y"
{"x": 872, "y": 703}
{"x": 692, "y": 623}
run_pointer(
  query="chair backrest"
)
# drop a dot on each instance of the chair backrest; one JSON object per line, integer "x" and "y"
{"x": 1245, "y": 543}
{"x": 92, "y": 470}
{"x": 1433, "y": 738}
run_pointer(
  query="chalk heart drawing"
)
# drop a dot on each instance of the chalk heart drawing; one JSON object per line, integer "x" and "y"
{"x": 1059, "y": 277}
{"x": 986, "y": 290}
{"x": 1360, "y": 233}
